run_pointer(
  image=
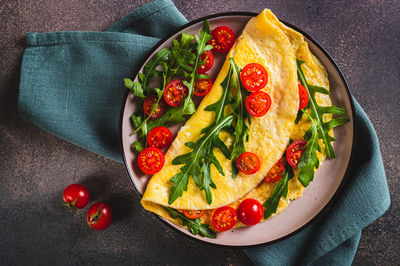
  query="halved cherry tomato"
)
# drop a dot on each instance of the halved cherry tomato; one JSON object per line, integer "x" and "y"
{"x": 254, "y": 77}
{"x": 258, "y": 103}
{"x": 99, "y": 216}
{"x": 148, "y": 106}
{"x": 303, "y": 96}
{"x": 159, "y": 137}
{"x": 248, "y": 163}
{"x": 175, "y": 92}
{"x": 222, "y": 39}
{"x": 209, "y": 57}
{"x": 193, "y": 214}
{"x": 275, "y": 173}
{"x": 250, "y": 212}
{"x": 224, "y": 218}
{"x": 294, "y": 152}
{"x": 151, "y": 160}
{"x": 76, "y": 196}
{"x": 202, "y": 86}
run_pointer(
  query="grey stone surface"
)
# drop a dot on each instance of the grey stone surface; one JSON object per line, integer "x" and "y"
{"x": 35, "y": 228}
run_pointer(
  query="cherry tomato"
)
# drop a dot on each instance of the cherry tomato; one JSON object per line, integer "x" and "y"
{"x": 222, "y": 39}
{"x": 258, "y": 103}
{"x": 148, "y": 106}
{"x": 159, "y": 137}
{"x": 76, "y": 196}
{"x": 193, "y": 214}
{"x": 294, "y": 152}
{"x": 99, "y": 216}
{"x": 209, "y": 57}
{"x": 275, "y": 173}
{"x": 250, "y": 212}
{"x": 202, "y": 86}
{"x": 175, "y": 92}
{"x": 303, "y": 96}
{"x": 248, "y": 163}
{"x": 151, "y": 160}
{"x": 224, "y": 218}
{"x": 254, "y": 77}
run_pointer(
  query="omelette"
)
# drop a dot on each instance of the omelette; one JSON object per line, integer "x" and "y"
{"x": 268, "y": 42}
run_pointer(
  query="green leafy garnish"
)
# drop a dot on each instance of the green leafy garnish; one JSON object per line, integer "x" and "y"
{"x": 319, "y": 129}
{"x": 194, "y": 225}
{"x": 318, "y": 111}
{"x": 241, "y": 132}
{"x": 280, "y": 190}
{"x": 197, "y": 162}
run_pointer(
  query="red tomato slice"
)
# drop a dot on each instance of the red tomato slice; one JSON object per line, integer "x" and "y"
{"x": 99, "y": 216}
{"x": 193, "y": 214}
{"x": 254, "y": 77}
{"x": 224, "y": 218}
{"x": 175, "y": 92}
{"x": 159, "y": 137}
{"x": 248, "y": 163}
{"x": 258, "y": 103}
{"x": 148, "y": 106}
{"x": 209, "y": 57}
{"x": 294, "y": 152}
{"x": 275, "y": 174}
{"x": 222, "y": 39}
{"x": 151, "y": 160}
{"x": 202, "y": 86}
{"x": 250, "y": 212}
{"x": 303, "y": 96}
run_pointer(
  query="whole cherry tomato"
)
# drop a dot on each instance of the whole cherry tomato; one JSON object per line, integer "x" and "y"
{"x": 250, "y": 212}
{"x": 99, "y": 216}
{"x": 76, "y": 196}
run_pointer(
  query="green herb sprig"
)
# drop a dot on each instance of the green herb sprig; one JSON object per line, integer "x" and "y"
{"x": 195, "y": 226}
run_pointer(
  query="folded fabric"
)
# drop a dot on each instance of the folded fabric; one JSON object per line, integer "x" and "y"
{"x": 72, "y": 86}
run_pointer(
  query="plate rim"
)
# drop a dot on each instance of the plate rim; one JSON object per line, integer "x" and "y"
{"x": 346, "y": 175}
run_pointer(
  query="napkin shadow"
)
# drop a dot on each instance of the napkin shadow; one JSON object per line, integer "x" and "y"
{"x": 97, "y": 186}
{"x": 121, "y": 206}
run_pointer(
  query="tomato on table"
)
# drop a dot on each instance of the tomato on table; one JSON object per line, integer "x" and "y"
{"x": 151, "y": 160}
{"x": 99, "y": 216}
{"x": 258, "y": 103}
{"x": 224, "y": 218}
{"x": 222, "y": 39}
{"x": 250, "y": 211}
{"x": 193, "y": 214}
{"x": 276, "y": 172}
{"x": 248, "y": 163}
{"x": 76, "y": 196}
{"x": 174, "y": 92}
{"x": 294, "y": 152}
{"x": 148, "y": 106}
{"x": 159, "y": 137}
{"x": 303, "y": 96}
{"x": 202, "y": 87}
{"x": 254, "y": 77}
{"x": 209, "y": 57}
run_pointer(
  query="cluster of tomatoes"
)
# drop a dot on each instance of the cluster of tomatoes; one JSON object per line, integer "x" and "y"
{"x": 99, "y": 215}
{"x": 151, "y": 160}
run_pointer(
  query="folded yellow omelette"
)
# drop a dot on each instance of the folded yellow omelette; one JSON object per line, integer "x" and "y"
{"x": 264, "y": 40}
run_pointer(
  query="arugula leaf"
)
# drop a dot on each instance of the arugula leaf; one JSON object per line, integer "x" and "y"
{"x": 135, "y": 87}
{"x": 309, "y": 160}
{"x": 194, "y": 225}
{"x": 202, "y": 152}
{"x": 280, "y": 190}
{"x": 318, "y": 111}
{"x": 241, "y": 129}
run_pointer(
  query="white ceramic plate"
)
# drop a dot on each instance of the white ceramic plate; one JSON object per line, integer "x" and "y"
{"x": 328, "y": 179}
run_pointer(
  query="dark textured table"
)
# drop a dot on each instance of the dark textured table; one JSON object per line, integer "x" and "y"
{"x": 362, "y": 36}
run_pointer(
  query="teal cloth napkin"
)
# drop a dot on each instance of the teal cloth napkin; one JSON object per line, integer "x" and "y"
{"x": 72, "y": 86}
